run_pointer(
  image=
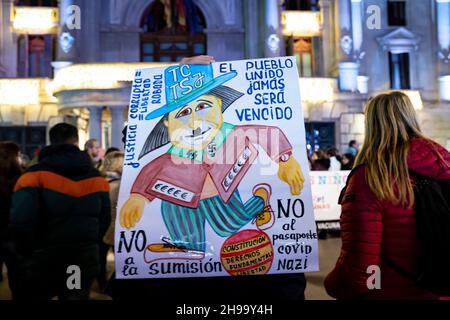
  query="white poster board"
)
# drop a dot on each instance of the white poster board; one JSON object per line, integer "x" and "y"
{"x": 215, "y": 161}
{"x": 326, "y": 187}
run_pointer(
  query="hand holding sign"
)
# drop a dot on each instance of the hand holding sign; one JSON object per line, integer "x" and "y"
{"x": 291, "y": 173}
{"x": 131, "y": 211}
{"x": 202, "y": 59}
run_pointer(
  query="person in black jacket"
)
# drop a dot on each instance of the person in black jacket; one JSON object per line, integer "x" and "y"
{"x": 60, "y": 211}
{"x": 348, "y": 161}
{"x": 10, "y": 171}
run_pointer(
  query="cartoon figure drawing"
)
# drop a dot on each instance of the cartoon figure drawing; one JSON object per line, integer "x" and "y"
{"x": 197, "y": 179}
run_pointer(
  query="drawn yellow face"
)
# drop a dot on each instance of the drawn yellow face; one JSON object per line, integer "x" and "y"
{"x": 196, "y": 124}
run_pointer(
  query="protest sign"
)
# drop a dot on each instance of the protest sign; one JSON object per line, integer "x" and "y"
{"x": 213, "y": 180}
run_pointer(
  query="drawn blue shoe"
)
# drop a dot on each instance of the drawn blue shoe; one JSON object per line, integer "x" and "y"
{"x": 168, "y": 250}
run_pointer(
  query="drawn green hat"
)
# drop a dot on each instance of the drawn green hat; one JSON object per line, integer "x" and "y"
{"x": 185, "y": 83}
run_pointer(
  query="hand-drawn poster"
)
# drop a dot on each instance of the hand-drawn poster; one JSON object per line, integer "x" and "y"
{"x": 215, "y": 165}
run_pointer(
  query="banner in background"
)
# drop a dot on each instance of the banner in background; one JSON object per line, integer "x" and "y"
{"x": 326, "y": 187}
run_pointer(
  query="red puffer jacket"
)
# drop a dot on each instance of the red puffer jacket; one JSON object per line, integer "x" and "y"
{"x": 370, "y": 227}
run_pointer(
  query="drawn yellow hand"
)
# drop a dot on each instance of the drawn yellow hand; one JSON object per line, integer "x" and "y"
{"x": 291, "y": 173}
{"x": 131, "y": 211}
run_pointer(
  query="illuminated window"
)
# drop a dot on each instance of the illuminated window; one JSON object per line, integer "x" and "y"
{"x": 172, "y": 30}
{"x": 300, "y": 26}
{"x": 36, "y": 52}
{"x": 303, "y": 52}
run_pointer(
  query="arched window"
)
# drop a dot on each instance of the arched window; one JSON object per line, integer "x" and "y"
{"x": 172, "y": 29}
{"x": 36, "y": 52}
{"x": 303, "y": 52}
{"x": 302, "y": 47}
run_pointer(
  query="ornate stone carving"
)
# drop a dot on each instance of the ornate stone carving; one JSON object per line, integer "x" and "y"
{"x": 273, "y": 42}
{"x": 230, "y": 12}
{"x": 347, "y": 44}
{"x": 66, "y": 41}
{"x": 399, "y": 40}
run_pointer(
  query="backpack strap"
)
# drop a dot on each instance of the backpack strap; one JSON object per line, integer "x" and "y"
{"x": 418, "y": 176}
{"x": 342, "y": 194}
{"x": 390, "y": 263}
{"x": 394, "y": 266}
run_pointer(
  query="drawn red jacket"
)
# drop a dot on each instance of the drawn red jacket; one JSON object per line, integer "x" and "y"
{"x": 370, "y": 226}
{"x": 180, "y": 180}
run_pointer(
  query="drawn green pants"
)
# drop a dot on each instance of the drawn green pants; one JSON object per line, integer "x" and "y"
{"x": 186, "y": 226}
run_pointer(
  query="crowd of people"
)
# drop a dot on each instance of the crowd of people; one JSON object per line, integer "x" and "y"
{"x": 331, "y": 159}
{"x": 58, "y": 212}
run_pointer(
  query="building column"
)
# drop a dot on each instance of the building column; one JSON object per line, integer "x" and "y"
{"x": 327, "y": 41}
{"x": 225, "y": 44}
{"x": 273, "y": 39}
{"x": 90, "y": 31}
{"x": 117, "y": 124}
{"x": 252, "y": 32}
{"x": 68, "y": 36}
{"x": 443, "y": 36}
{"x": 95, "y": 123}
{"x": 345, "y": 31}
{"x": 8, "y": 42}
{"x": 357, "y": 28}
{"x": 67, "y": 41}
{"x": 443, "y": 26}
{"x": 348, "y": 68}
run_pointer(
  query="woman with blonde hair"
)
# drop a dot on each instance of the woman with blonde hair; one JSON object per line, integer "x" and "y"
{"x": 378, "y": 214}
{"x": 111, "y": 169}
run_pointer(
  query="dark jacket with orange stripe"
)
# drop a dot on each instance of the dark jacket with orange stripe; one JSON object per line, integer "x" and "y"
{"x": 60, "y": 211}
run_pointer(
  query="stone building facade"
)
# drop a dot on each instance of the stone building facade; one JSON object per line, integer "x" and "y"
{"x": 363, "y": 47}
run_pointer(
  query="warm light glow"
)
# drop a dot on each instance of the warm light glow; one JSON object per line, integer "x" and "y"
{"x": 98, "y": 75}
{"x": 414, "y": 96}
{"x": 444, "y": 88}
{"x": 35, "y": 20}
{"x": 315, "y": 90}
{"x": 24, "y": 92}
{"x": 301, "y": 23}
{"x": 358, "y": 124}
